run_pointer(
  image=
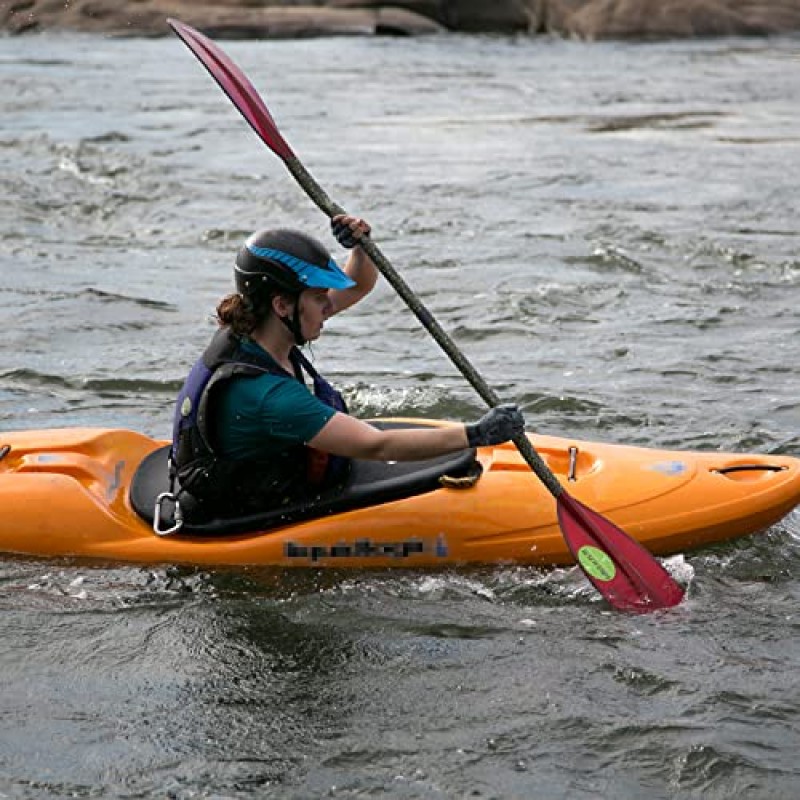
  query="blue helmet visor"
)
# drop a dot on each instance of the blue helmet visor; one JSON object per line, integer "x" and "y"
{"x": 329, "y": 276}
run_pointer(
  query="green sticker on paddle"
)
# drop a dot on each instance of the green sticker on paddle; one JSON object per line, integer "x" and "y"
{"x": 597, "y": 563}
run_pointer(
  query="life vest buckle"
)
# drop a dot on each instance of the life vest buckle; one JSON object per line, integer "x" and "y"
{"x": 177, "y": 514}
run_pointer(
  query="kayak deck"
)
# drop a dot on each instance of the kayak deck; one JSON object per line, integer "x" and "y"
{"x": 65, "y": 492}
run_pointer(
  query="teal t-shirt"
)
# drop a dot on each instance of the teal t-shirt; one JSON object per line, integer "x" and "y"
{"x": 262, "y": 416}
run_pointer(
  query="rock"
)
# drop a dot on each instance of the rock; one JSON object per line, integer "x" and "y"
{"x": 227, "y": 19}
{"x": 498, "y": 16}
{"x": 557, "y": 16}
{"x": 94, "y": 16}
{"x": 402, "y": 22}
{"x": 589, "y": 19}
{"x": 280, "y": 23}
{"x": 425, "y": 8}
{"x": 662, "y": 19}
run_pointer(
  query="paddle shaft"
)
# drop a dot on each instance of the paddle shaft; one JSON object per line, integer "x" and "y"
{"x": 329, "y": 207}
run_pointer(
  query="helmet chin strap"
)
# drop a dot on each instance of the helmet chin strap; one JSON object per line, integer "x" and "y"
{"x": 294, "y": 325}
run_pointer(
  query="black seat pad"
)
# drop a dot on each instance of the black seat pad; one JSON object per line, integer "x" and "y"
{"x": 369, "y": 483}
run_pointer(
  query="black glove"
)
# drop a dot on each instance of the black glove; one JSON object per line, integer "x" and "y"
{"x": 497, "y": 426}
{"x": 344, "y": 234}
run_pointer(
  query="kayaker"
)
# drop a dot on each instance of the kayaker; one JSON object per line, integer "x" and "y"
{"x": 248, "y": 434}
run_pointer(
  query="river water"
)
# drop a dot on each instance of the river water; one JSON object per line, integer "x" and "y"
{"x": 609, "y": 231}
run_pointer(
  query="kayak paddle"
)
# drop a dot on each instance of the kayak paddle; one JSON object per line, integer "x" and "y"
{"x": 624, "y": 572}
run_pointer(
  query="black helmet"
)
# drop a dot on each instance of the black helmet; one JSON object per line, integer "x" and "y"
{"x": 288, "y": 260}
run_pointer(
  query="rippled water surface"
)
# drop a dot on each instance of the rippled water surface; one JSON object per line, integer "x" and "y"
{"x": 609, "y": 231}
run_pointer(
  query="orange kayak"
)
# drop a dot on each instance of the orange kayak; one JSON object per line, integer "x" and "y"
{"x": 90, "y": 493}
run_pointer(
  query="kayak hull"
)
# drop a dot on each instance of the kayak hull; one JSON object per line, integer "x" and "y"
{"x": 64, "y": 492}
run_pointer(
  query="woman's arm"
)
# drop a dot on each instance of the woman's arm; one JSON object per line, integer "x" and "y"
{"x": 344, "y": 435}
{"x": 359, "y": 266}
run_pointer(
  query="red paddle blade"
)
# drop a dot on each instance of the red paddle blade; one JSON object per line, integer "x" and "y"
{"x": 628, "y": 576}
{"x": 233, "y": 82}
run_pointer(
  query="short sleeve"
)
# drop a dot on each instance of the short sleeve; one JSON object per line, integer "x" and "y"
{"x": 263, "y": 416}
{"x": 291, "y": 413}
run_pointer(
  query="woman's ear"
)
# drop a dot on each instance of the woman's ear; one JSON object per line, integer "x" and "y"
{"x": 282, "y": 305}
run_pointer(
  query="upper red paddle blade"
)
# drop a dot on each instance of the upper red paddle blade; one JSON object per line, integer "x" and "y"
{"x": 234, "y": 83}
{"x": 626, "y": 574}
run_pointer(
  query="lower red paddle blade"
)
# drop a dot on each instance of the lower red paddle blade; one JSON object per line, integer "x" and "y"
{"x": 628, "y": 576}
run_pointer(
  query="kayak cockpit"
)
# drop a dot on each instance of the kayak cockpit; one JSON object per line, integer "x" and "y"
{"x": 369, "y": 483}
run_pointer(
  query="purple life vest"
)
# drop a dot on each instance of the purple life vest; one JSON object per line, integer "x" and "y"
{"x": 212, "y": 486}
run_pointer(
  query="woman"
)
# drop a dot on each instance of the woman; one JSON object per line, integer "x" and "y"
{"x": 248, "y": 433}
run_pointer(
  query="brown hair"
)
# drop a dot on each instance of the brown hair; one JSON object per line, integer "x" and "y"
{"x": 239, "y": 314}
{"x": 242, "y": 315}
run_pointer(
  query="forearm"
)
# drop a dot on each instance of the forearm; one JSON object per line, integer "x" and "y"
{"x": 362, "y": 270}
{"x": 417, "y": 444}
{"x": 344, "y": 435}
{"x": 348, "y": 231}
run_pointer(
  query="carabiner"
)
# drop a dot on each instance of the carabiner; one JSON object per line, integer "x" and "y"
{"x": 177, "y": 515}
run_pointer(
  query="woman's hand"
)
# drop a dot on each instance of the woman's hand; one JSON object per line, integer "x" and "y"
{"x": 498, "y": 425}
{"x": 348, "y": 230}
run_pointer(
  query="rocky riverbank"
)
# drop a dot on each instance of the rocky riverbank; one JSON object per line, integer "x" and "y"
{"x": 587, "y": 19}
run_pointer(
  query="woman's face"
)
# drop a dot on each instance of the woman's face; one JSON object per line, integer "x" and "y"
{"x": 315, "y": 308}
